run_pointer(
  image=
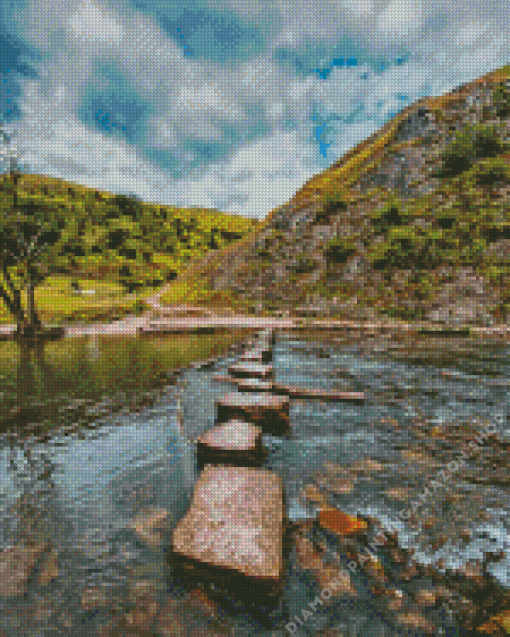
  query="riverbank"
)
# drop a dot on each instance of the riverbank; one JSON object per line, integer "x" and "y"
{"x": 162, "y": 319}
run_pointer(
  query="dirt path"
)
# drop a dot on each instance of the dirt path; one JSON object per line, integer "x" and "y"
{"x": 160, "y": 314}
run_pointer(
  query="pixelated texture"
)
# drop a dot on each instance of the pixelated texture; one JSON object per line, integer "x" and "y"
{"x": 353, "y": 478}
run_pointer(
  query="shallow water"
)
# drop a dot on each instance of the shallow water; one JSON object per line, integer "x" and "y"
{"x": 80, "y": 492}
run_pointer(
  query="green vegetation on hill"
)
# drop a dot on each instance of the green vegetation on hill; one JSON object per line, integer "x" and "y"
{"x": 101, "y": 237}
{"x": 412, "y": 223}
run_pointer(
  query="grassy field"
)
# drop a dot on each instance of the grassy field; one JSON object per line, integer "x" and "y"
{"x": 56, "y": 303}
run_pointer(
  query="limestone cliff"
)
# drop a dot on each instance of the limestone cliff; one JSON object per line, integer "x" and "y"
{"x": 413, "y": 222}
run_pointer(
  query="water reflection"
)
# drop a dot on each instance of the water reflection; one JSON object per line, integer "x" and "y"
{"x": 37, "y": 378}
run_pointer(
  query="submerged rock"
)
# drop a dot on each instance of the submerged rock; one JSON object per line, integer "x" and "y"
{"x": 16, "y": 566}
{"x": 150, "y": 525}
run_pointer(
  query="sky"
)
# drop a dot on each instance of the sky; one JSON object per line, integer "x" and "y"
{"x": 225, "y": 104}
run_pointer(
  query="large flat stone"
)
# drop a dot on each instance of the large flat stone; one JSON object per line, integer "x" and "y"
{"x": 251, "y": 370}
{"x": 233, "y": 531}
{"x": 253, "y": 384}
{"x": 269, "y": 412}
{"x": 234, "y": 443}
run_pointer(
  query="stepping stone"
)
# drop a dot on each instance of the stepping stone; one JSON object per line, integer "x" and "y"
{"x": 265, "y": 341}
{"x": 267, "y": 411}
{"x": 258, "y": 355}
{"x": 236, "y": 442}
{"x": 225, "y": 379}
{"x": 245, "y": 384}
{"x": 301, "y": 392}
{"x": 251, "y": 370}
{"x": 254, "y": 384}
{"x": 232, "y": 534}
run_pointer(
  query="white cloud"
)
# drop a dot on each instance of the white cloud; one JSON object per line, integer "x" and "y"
{"x": 449, "y": 43}
{"x": 92, "y": 23}
{"x": 400, "y": 17}
{"x": 359, "y": 7}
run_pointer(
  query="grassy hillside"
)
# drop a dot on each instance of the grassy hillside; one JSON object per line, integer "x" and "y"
{"x": 412, "y": 223}
{"x": 125, "y": 246}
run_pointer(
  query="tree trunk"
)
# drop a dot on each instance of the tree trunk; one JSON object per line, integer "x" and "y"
{"x": 34, "y": 324}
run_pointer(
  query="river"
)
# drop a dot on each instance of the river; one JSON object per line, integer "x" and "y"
{"x": 78, "y": 489}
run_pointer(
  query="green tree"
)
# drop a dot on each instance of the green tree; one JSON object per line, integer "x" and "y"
{"x": 32, "y": 228}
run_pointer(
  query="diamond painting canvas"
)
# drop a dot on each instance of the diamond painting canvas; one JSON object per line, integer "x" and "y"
{"x": 254, "y": 328}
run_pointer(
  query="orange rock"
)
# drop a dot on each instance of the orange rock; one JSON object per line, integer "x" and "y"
{"x": 312, "y": 494}
{"x": 425, "y": 598}
{"x": 496, "y": 623}
{"x": 341, "y": 523}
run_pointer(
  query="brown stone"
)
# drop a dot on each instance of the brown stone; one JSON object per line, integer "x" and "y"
{"x": 305, "y": 552}
{"x": 302, "y": 392}
{"x": 401, "y": 494}
{"x": 341, "y": 486}
{"x": 142, "y": 595}
{"x": 221, "y": 378}
{"x": 16, "y": 565}
{"x": 150, "y": 525}
{"x": 49, "y": 571}
{"x": 395, "y": 599}
{"x": 416, "y": 620}
{"x": 235, "y": 526}
{"x": 366, "y": 466}
{"x": 267, "y": 411}
{"x": 93, "y": 597}
{"x": 312, "y": 494}
{"x": 251, "y": 370}
{"x": 425, "y": 598}
{"x": 236, "y": 442}
{"x": 325, "y": 574}
{"x": 254, "y": 385}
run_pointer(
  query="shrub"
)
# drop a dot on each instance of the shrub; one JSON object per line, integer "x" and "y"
{"x": 340, "y": 248}
{"x": 501, "y": 100}
{"x": 482, "y": 140}
{"x": 491, "y": 171}
{"x": 303, "y": 265}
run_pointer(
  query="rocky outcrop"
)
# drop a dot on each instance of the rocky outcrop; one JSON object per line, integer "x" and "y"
{"x": 417, "y": 222}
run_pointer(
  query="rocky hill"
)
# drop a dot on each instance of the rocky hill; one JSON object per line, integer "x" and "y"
{"x": 413, "y": 222}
